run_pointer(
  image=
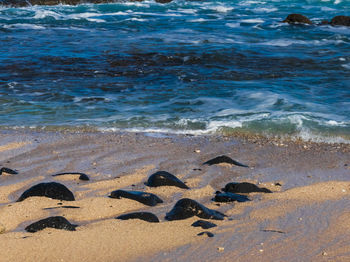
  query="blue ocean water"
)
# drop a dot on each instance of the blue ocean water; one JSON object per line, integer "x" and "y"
{"x": 195, "y": 67}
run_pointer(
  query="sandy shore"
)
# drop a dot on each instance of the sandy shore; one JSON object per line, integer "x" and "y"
{"x": 306, "y": 218}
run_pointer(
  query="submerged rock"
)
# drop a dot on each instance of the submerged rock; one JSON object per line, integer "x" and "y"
{"x": 142, "y": 197}
{"x": 297, "y": 19}
{"x": 341, "y": 20}
{"x": 57, "y": 222}
{"x": 223, "y": 159}
{"x": 244, "y": 187}
{"x": 185, "y": 208}
{"x": 229, "y": 197}
{"x": 163, "y": 178}
{"x": 203, "y": 224}
{"x": 8, "y": 171}
{"x": 82, "y": 176}
{"x": 146, "y": 216}
{"x": 52, "y": 190}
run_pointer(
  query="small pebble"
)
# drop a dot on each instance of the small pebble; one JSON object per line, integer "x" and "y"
{"x": 197, "y": 151}
{"x": 221, "y": 248}
{"x": 324, "y": 253}
{"x": 261, "y": 250}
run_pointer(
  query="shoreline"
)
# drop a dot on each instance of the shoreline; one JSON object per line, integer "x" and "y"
{"x": 309, "y": 181}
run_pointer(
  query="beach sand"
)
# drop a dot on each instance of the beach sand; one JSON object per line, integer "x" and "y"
{"x": 306, "y": 218}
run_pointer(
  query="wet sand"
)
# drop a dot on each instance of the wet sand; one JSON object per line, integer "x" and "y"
{"x": 306, "y": 218}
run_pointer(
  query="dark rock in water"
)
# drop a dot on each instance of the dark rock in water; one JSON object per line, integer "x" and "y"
{"x": 163, "y": 178}
{"x": 142, "y": 197}
{"x": 223, "y": 159}
{"x": 82, "y": 176}
{"x": 163, "y": 1}
{"x": 185, "y": 208}
{"x": 324, "y": 22}
{"x": 146, "y": 216}
{"x": 244, "y": 187}
{"x": 52, "y": 190}
{"x": 229, "y": 197}
{"x": 297, "y": 19}
{"x": 209, "y": 234}
{"x": 8, "y": 171}
{"x": 341, "y": 20}
{"x": 203, "y": 224}
{"x": 57, "y": 222}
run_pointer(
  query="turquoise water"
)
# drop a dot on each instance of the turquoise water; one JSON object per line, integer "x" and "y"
{"x": 196, "y": 67}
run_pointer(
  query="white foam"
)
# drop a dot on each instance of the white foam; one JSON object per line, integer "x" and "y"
{"x": 252, "y": 21}
{"x": 335, "y": 123}
{"x": 138, "y": 19}
{"x": 187, "y": 11}
{"x": 199, "y": 20}
{"x": 283, "y": 42}
{"x": 40, "y": 14}
{"x": 221, "y": 8}
{"x": 24, "y": 26}
{"x": 264, "y": 10}
{"x": 347, "y": 66}
{"x": 233, "y": 25}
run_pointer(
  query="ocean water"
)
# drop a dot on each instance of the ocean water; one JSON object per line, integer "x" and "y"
{"x": 197, "y": 67}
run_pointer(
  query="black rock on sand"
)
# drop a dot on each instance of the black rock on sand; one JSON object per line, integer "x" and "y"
{"x": 229, "y": 197}
{"x": 223, "y": 159}
{"x": 142, "y": 197}
{"x": 146, "y": 216}
{"x": 163, "y": 178}
{"x": 8, "y": 171}
{"x": 203, "y": 224}
{"x": 186, "y": 208}
{"x": 82, "y": 176}
{"x": 52, "y": 190}
{"x": 244, "y": 187}
{"x": 57, "y": 222}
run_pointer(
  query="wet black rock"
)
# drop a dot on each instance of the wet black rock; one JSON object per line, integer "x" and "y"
{"x": 52, "y": 190}
{"x": 146, "y": 216}
{"x": 244, "y": 187}
{"x": 297, "y": 19}
{"x": 185, "y": 208}
{"x": 57, "y": 222}
{"x": 82, "y": 176}
{"x": 163, "y": 1}
{"x": 341, "y": 20}
{"x": 229, "y": 197}
{"x": 223, "y": 159}
{"x": 203, "y": 224}
{"x": 163, "y": 178}
{"x": 142, "y": 197}
{"x": 209, "y": 234}
{"x": 8, "y": 171}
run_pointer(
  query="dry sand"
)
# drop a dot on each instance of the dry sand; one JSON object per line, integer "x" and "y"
{"x": 306, "y": 218}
